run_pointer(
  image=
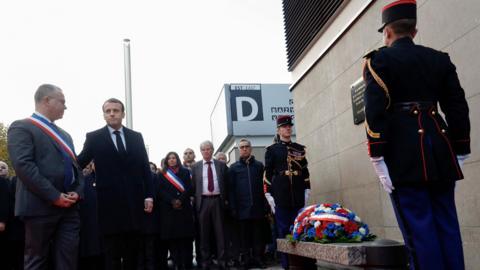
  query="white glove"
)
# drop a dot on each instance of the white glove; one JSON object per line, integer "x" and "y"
{"x": 382, "y": 172}
{"x": 461, "y": 159}
{"x": 307, "y": 195}
{"x": 270, "y": 201}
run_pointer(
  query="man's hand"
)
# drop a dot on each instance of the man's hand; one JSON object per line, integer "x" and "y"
{"x": 176, "y": 204}
{"x": 148, "y": 205}
{"x": 64, "y": 201}
{"x": 270, "y": 201}
{"x": 73, "y": 195}
{"x": 382, "y": 173}
{"x": 2, "y": 226}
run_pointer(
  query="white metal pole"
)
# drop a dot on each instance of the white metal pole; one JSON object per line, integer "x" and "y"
{"x": 128, "y": 82}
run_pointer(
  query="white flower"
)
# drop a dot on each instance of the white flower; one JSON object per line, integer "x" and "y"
{"x": 357, "y": 219}
{"x": 317, "y": 224}
{"x": 337, "y": 224}
{"x": 362, "y": 231}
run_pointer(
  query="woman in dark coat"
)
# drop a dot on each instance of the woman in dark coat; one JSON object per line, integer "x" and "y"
{"x": 176, "y": 225}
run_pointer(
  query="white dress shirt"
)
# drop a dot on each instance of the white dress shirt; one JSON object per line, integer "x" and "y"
{"x": 43, "y": 116}
{"x": 216, "y": 188}
{"x": 114, "y": 137}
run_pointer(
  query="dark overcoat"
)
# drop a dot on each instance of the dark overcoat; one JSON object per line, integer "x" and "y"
{"x": 123, "y": 181}
{"x": 176, "y": 223}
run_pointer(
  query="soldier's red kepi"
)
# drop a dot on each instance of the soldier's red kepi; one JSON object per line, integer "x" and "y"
{"x": 402, "y": 9}
{"x": 283, "y": 120}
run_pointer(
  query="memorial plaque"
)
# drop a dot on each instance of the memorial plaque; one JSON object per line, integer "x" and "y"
{"x": 358, "y": 105}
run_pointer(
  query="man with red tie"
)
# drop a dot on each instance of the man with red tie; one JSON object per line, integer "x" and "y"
{"x": 209, "y": 178}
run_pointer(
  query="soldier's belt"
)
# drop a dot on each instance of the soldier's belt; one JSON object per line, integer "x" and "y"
{"x": 290, "y": 173}
{"x": 409, "y": 106}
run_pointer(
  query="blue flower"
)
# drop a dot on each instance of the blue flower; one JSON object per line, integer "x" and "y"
{"x": 335, "y": 206}
{"x": 351, "y": 216}
{"x": 367, "y": 230}
{"x": 331, "y": 226}
{"x": 311, "y": 232}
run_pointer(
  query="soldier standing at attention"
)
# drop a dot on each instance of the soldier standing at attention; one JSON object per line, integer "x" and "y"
{"x": 286, "y": 178}
{"x": 416, "y": 154}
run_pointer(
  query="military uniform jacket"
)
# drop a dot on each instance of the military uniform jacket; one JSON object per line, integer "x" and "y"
{"x": 404, "y": 84}
{"x": 286, "y": 173}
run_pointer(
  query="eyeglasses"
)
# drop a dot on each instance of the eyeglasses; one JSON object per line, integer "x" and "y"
{"x": 244, "y": 146}
{"x": 188, "y": 153}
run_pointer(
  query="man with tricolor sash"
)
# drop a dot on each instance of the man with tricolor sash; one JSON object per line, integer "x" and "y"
{"x": 49, "y": 183}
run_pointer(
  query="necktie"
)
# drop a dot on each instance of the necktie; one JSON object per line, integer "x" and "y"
{"x": 120, "y": 146}
{"x": 210, "y": 176}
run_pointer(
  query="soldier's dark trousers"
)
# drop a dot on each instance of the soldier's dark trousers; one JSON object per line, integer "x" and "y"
{"x": 284, "y": 217}
{"x": 428, "y": 220}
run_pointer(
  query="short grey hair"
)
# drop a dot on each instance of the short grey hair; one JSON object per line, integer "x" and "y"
{"x": 221, "y": 154}
{"x": 207, "y": 142}
{"x": 245, "y": 140}
{"x": 45, "y": 90}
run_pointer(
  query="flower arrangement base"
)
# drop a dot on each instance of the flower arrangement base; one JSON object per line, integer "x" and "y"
{"x": 377, "y": 254}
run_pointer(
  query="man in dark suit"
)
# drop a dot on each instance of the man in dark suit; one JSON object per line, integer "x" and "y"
{"x": 210, "y": 178}
{"x": 416, "y": 153}
{"x": 49, "y": 183}
{"x": 124, "y": 185}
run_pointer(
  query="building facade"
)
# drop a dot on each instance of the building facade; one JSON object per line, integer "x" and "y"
{"x": 248, "y": 111}
{"x": 325, "y": 67}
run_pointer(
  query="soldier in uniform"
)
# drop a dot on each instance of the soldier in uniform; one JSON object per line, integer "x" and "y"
{"x": 416, "y": 154}
{"x": 286, "y": 180}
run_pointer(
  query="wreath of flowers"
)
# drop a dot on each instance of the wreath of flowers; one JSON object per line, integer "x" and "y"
{"x": 329, "y": 223}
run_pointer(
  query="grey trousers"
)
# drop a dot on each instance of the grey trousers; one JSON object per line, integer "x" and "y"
{"x": 210, "y": 219}
{"x": 57, "y": 234}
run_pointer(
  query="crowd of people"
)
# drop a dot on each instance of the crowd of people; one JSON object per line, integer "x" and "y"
{"x": 110, "y": 207}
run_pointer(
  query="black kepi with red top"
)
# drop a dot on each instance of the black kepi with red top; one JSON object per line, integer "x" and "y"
{"x": 283, "y": 120}
{"x": 401, "y": 9}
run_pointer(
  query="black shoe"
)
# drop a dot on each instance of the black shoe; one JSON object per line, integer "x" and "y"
{"x": 257, "y": 264}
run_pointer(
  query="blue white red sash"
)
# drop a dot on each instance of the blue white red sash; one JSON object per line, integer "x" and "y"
{"x": 52, "y": 133}
{"x": 174, "y": 180}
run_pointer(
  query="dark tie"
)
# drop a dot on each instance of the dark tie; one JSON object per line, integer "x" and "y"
{"x": 120, "y": 146}
{"x": 210, "y": 176}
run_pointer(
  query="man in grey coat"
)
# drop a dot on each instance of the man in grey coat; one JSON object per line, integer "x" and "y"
{"x": 49, "y": 183}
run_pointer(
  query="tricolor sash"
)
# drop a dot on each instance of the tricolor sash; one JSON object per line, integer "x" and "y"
{"x": 174, "y": 180}
{"x": 66, "y": 150}
{"x": 54, "y": 134}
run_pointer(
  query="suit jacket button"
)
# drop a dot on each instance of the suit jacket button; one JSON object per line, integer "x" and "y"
{"x": 443, "y": 130}
{"x": 433, "y": 112}
{"x": 420, "y": 131}
{"x": 415, "y": 112}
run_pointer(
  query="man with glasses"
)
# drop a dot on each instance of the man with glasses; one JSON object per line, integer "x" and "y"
{"x": 247, "y": 205}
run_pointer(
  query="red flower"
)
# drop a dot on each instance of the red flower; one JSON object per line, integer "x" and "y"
{"x": 327, "y": 205}
{"x": 350, "y": 227}
{"x": 342, "y": 211}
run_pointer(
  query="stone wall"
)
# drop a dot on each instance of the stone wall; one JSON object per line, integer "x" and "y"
{"x": 338, "y": 160}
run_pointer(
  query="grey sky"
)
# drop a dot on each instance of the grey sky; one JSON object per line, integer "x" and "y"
{"x": 182, "y": 53}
